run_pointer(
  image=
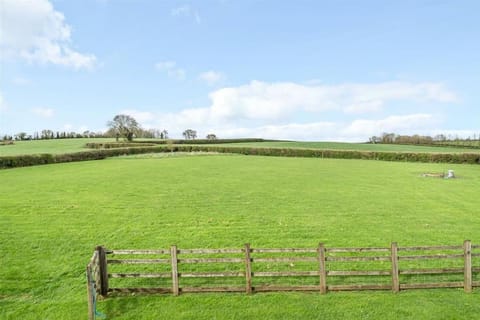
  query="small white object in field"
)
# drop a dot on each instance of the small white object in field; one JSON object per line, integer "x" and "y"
{"x": 450, "y": 174}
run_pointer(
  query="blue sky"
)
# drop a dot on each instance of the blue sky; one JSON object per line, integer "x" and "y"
{"x": 339, "y": 70}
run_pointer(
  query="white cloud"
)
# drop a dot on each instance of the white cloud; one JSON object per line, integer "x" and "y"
{"x": 186, "y": 11}
{"x": 34, "y": 31}
{"x": 170, "y": 67}
{"x": 212, "y": 77}
{"x": 397, "y": 124}
{"x": 261, "y": 100}
{"x": 305, "y": 112}
{"x": 43, "y": 112}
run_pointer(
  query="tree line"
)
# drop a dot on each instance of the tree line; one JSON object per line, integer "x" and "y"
{"x": 121, "y": 126}
{"x": 440, "y": 139}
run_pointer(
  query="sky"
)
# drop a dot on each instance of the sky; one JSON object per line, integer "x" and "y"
{"x": 320, "y": 70}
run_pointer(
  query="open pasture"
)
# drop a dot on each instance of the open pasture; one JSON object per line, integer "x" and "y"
{"x": 355, "y": 146}
{"x": 53, "y": 146}
{"x": 52, "y": 216}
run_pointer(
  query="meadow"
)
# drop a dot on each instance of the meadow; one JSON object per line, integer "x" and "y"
{"x": 52, "y": 216}
{"x": 354, "y": 146}
{"x": 55, "y": 146}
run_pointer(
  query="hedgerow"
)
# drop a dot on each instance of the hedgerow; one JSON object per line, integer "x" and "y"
{"x": 110, "y": 151}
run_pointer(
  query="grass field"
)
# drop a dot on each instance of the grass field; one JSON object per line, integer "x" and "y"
{"x": 75, "y": 145}
{"x": 56, "y": 146}
{"x": 52, "y": 216}
{"x": 353, "y": 146}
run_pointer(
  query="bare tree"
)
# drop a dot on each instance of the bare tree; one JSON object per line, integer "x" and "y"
{"x": 189, "y": 134}
{"x": 124, "y": 126}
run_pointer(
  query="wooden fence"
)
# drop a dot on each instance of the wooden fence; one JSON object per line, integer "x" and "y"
{"x": 250, "y": 270}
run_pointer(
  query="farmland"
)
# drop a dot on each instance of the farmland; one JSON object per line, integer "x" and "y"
{"x": 52, "y": 216}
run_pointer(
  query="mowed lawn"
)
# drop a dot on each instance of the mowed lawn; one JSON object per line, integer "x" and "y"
{"x": 52, "y": 216}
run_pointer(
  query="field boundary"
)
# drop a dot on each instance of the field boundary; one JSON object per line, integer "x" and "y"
{"x": 329, "y": 269}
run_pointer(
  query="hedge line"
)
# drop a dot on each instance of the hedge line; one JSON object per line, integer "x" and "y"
{"x": 30, "y": 160}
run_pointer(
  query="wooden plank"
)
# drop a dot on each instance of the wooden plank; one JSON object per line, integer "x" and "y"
{"x": 210, "y": 274}
{"x": 286, "y": 274}
{"x": 103, "y": 272}
{"x": 475, "y": 283}
{"x": 359, "y": 273}
{"x": 138, "y": 261}
{"x": 335, "y": 250}
{"x": 476, "y": 269}
{"x": 90, "y": 294}
{"x": 422, "y": 248}
{"x": 431, "y": 271}
{"x": 210, "y": 260}
{"x": 212, "y": 289}
{"x": 355, "y": 287}
{"x": 94, "y": 258}
{"x": 209, "y": 251}
{"x": 174, "y": 263}
{"x": 286, "y": 259}
{"x": 281, "y": 250}
{"x": 284, "y": 288}
{"x": 432, "y": 285}
{"x": 475, "y": 254}
{"x": 141, "y": 290}
{"x": 322, "y": 268}
{"x": 357, "y": 258}
{"x": 140, "y": 275}
{"x": 394, "y": 273}
{"x": 475, "y": 246}
{"x": 146, "y": 252}
{"x": 248, "y": 269}
{"x": 467, "y": 275}
{"x": 433, "y": 256}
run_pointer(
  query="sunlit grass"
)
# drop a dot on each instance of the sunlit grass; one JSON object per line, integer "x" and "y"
{"x": 52, "y": 216}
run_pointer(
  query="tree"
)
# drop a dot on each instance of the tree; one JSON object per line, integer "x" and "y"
{"x": 164, "y": 134}
{"x": 22, "y": 135}
{"x": 211, "y": 136}
{"x": 189, "y": 134}
{"x": 124, "y": 126}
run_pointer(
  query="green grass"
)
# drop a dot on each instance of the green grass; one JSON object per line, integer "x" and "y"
{"x": 74, "y": 145}
{"x": 55, "y": 146}
{"x": 353, "y": 146}
{"x": 52, "y": 216}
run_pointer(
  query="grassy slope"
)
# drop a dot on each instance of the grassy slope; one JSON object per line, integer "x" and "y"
{"x": 52, "y": 216}
{"x": 353, "y": 146}
{"x": 74, "y": 145}
{"x": 48, "y": 146}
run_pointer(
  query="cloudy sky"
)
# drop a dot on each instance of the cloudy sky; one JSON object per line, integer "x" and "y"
{"x": 340, "y": 70}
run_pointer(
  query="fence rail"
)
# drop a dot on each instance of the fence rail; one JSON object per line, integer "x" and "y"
{"x": 251, "y": 270}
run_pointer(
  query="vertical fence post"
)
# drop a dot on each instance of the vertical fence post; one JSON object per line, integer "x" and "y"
{"x": 248, "y": 269}
{"x": 322, "y": 268}
{"x": 91, "y": 310}
{"x": 395, "y": 271}
{"x": 102, "y": 265}
{"x": 467, "y": 273}
{"x": 173, "y": 255}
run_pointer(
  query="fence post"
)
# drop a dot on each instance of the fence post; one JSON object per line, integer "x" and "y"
{"x": 467, "y": 274}
{"x": 102, "y": 265}
{"x": 322, "y": 268}
{"x": 91, "y": 310}
{"x": 395, "y": 272}
{"x": 248, "y": 269}
{"x": 173, "y": 255}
